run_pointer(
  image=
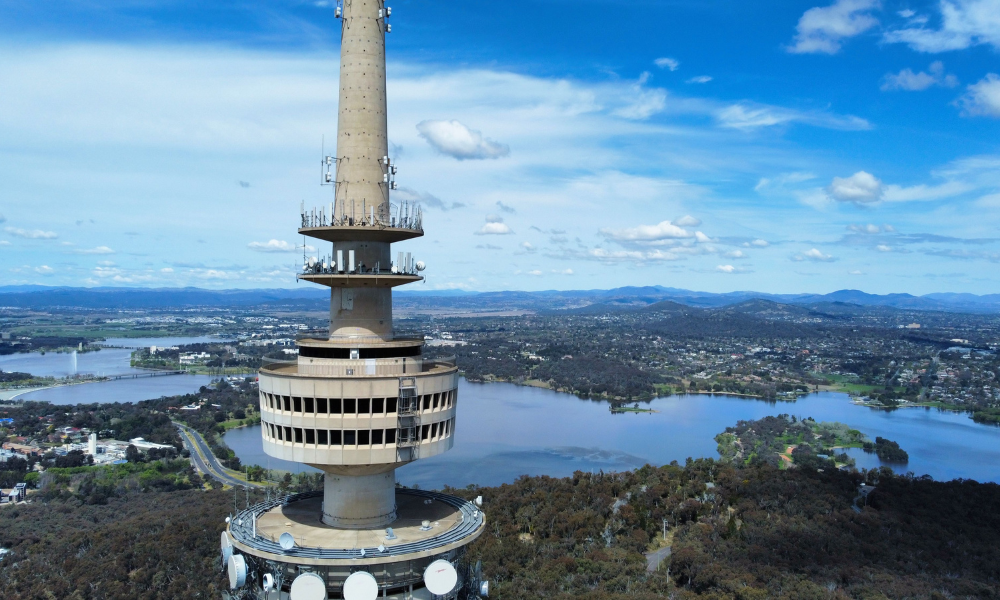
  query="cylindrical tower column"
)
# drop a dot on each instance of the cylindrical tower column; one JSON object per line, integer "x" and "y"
{"x": 362, "y": 134}
{"x": 359, "y": 497}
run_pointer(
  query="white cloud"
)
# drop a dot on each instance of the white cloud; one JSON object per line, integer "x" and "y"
{"x": 914, "y": 82}
{"x": 896, "y": 193}
{"x": 869, "y": 229}
{"x": 271, "y": 246}
{"x": 983, "y": 98}
{"x": 458, "y": 141}
{"x": 821, "y": 29}
{"x": 166, "y": 270}
{"x": 855, "y": 272}
{"x": 699, "y": 79}
{"x": 535, "y": 273}
{"x": 687, "y": 221}
{"x": 564, "y": 272}
{"x": 726, "y": 268}
{"x": 736, "y": 254}
{"x": 667, "y": 63}
{"x": 906, "y": 13}
{"x": 97, "y": 250}
{"x": 814, "y": 255}
{"x": 528, "y": 247}
{"x": 883, "y": 248}
{"x": 4, "y": 243}
{"x": 44, "y": 270}
{"x": 964, "y": 23}
{"x": 860, "y": 188}
{"x": 702, "y": 238}
{"x": 494, "y": 226}
{"x": 643, "y": 102}
{"x": 647, "y": 233}
{"x": 34, "y": 234}
{"x": 747, "y": 116}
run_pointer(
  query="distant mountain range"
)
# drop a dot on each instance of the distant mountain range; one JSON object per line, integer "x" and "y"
{"x": 122, "y": 298}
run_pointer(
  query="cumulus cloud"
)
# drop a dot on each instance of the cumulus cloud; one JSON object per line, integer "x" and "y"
{"x": 458, "y": 141}
{"x": 860, "y": 188}
{"x": 964, "y": 23}
{"x": 883, "y": 248}
{"x": 667, "y": 63}
{"x": 271, "y": 246}
{"x": 535, "y": 273}
{"x": 97, "y": 250}
{"x": 760, "y": 243}
{"x": 726, "y": 269}
{"x": 702, "y": 238}
{"x": 909, "y": 81}
{"x": 736, "y": 254}
{"x": 494, "y": 226}
{"x": 982, "y": 99}
{"x": 821, "y": 29}
{"x": 34, "y": 234}
{"x": 44, "y": 270}
{"x": 814, "y": 255}
{"x": 663, "y": 230}
{"x": 699, "y": 79}
{"x": 687, "y": 221}
{"x": 528, "y": 247}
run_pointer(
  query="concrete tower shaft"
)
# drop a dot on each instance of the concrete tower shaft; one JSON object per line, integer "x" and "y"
{"x": 362, "y": 138}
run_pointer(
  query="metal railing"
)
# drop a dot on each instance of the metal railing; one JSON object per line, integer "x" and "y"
{"x": 243, "y": 530}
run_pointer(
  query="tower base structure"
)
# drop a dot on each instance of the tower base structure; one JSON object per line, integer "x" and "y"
{"x": 428, "y": 527}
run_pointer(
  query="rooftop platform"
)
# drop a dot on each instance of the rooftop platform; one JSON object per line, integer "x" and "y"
{"x": 357, "y": 280}
{"x": 362, "y": 233}
{"x": 454, "y": 523}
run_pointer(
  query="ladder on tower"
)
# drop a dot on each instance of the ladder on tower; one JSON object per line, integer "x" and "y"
{"x": 408, "y": 421}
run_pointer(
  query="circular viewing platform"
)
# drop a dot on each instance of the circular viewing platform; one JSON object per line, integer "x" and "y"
{"x": 452, "y": 523}
{"x": 361, "y": 233}
{"x": 357, "y": 280}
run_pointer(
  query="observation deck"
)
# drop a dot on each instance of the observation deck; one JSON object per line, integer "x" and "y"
{"x": 362, "y": 233}
{"x": 453, "y": 523}
{"x": 383, "y": 278}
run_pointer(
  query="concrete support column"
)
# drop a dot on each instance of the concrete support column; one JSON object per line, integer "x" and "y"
{"x": 363, "y": 501}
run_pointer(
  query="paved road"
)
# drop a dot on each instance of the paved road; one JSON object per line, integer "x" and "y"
{"x": 204, "y": 460}
{"x": 653, "y": 559}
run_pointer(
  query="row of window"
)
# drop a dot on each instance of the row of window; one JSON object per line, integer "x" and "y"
{"x": 358, "y": 437}
{"x": 355, "y": 406}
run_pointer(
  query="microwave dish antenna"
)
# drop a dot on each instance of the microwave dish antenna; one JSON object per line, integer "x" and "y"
{"x": 227, "y": 549}
{"x": 440, "y": 577}
{"x": 360, "y": 586}
{"x": 237, "y": 571}
{"x": 308, "y": 586}
{"x": 287, "y": 541}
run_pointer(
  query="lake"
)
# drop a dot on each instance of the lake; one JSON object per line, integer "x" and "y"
{"x": 105, "y": 362}
{"x": 504, "y": 431}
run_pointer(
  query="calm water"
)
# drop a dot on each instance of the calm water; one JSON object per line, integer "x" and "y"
{"x": 504, "y": 431}
{"x": 109, "y": 361}
{"x": 123, "y": 390}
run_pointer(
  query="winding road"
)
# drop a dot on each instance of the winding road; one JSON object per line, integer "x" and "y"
{"x": 205, "y": 461}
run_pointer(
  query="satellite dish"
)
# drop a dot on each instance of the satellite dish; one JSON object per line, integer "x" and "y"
{"x": 287, "y": 541}
{"x": 420, "y": 265}
{"x": 440, "y": 577}
{"x": 227, "y": 549}
{"x": 308, "y": 586}
{"x": 479, "y": 500}
{"x": 360, "y": 586}
{"x": 484, "y": 589}
{"x": 237, "y": 571}
{"x": 268, "y": 582}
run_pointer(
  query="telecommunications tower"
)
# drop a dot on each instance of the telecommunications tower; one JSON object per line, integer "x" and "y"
{"x": 358, "y": 402}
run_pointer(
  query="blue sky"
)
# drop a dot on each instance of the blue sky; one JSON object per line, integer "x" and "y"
{"x": 713, "y": 145}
